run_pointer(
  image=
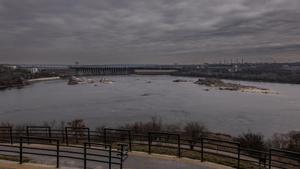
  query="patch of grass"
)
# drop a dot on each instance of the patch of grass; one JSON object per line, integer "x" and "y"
{"x": 156, "y": 150}
{"x": 14, "y": 158}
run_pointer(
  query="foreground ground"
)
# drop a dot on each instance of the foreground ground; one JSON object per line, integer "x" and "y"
{"x": 136, "y": 160}
{"x": 15, "y": 165}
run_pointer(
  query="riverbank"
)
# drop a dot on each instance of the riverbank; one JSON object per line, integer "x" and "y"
{"x": 24, "y": 82}
{"x": 10, "y": 78}
{"x": 44, "y": 79}
{"x": 17, "y": 78}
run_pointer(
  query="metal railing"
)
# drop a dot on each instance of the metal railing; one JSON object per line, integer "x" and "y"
{"x": 204, "y": 148}
{"x": 152, "y": 137}
{"x": 30, "y": 131}
{"x": 22, "y": 147}
{"x": 88, "y": 151}
{"x": 6, "y": 134}
{"x": 76, "y": 132}
{"x": 127, "y": 133}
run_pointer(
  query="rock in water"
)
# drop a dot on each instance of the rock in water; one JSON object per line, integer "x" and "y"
{"x": 180, "y": 80}
{"x": 74, "y": 80}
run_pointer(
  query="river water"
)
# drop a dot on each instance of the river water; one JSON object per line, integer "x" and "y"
{"x": 138, "y": 98}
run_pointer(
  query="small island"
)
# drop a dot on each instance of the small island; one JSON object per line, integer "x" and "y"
{"x": 73, "y": 80}
{"x": 180, "y": 80}
{"x": 221, "y": 85}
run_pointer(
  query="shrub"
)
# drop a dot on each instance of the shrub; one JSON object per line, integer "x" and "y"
{"x": 194, "y": 130}
{"x": 252, "y": 141}
{"x": 77, "y": 123}
{"x": 155, "y": 124}
{"x": 289, "y": 141}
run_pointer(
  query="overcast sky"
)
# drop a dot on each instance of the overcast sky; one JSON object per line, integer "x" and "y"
{"x": 148, "y": 31}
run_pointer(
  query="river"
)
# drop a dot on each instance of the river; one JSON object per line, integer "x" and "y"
{"x": 138, "y": 98}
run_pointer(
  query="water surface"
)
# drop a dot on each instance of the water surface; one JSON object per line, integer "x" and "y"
{"x": 138, "y": 98}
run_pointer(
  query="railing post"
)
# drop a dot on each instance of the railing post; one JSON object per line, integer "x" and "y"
{"x": 57, "y": 154}
{"x": 50, "y": 135}
{"x": 202, "y": 150}
{"x": 27, "y": 134}
{"x": 130, "y": 140}
{"x": 67, "y": 137}
{"x": 121, "y": 162}
{"x": 89, "y": 137}
{"x": 239, "y": 156}
{"x": 109, "y": 157}
{"x": 84, "y": 156}
{"x": 270, "y": 158}
{"x": 104, "y": 135}
{"x": 21, "y": 150}
{"x": 179, "y": 149}
{"x": 11, "y": 135}
{"x": 191, "y": 144}
{"x": 149, "y": 142}
{"x": 76, "y": 134}
{"x": 265, "y": 156}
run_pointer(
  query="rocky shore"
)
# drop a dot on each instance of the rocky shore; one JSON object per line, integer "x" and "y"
{"x": 180, "y": 80}
{"x": 221, "y": 85}
{"x": 76, "y": 80}
{"x": 14, "y": 83}
{"x": 17, "y": 78}
{"x": 12, "y": 78}
{"x": 43, "y": 79}
{"x": 183, "y": 80}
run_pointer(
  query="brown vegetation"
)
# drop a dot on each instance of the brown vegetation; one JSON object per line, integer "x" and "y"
{"x": 191, "y": 130}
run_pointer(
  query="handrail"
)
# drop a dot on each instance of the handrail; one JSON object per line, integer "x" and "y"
{"x": 285, "y": 151}
{"x": 204, "y": 145}
{"x": 46, "y": 151}
{"x": 39, "y": 138}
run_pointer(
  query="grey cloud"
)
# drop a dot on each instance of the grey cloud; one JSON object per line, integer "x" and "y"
{"x": 140, "y": 31}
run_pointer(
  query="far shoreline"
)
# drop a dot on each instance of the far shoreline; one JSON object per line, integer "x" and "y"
{"x": 183, "y": 76}
{"x": 36, "y": 80}
{"x": 238, "y": 79}
{"x": 44, "y": 79}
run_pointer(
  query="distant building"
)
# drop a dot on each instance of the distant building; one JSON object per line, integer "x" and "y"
{"x": 11, "y": 66}
{"x": 33, "y": 70}
{"x": 234, "y": 68}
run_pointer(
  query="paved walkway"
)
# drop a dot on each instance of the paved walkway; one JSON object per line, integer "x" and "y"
{"x": 136, "y": 160}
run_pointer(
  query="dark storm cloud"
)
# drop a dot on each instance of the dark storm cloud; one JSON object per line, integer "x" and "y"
{"x": 148, "y": 31}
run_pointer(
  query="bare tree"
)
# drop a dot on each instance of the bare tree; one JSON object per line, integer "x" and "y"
{"x": 77, "y": 126}
{"x": 194, "y": 130}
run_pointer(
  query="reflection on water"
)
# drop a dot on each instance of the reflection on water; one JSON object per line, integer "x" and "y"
{"x": 135, "y": 98}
